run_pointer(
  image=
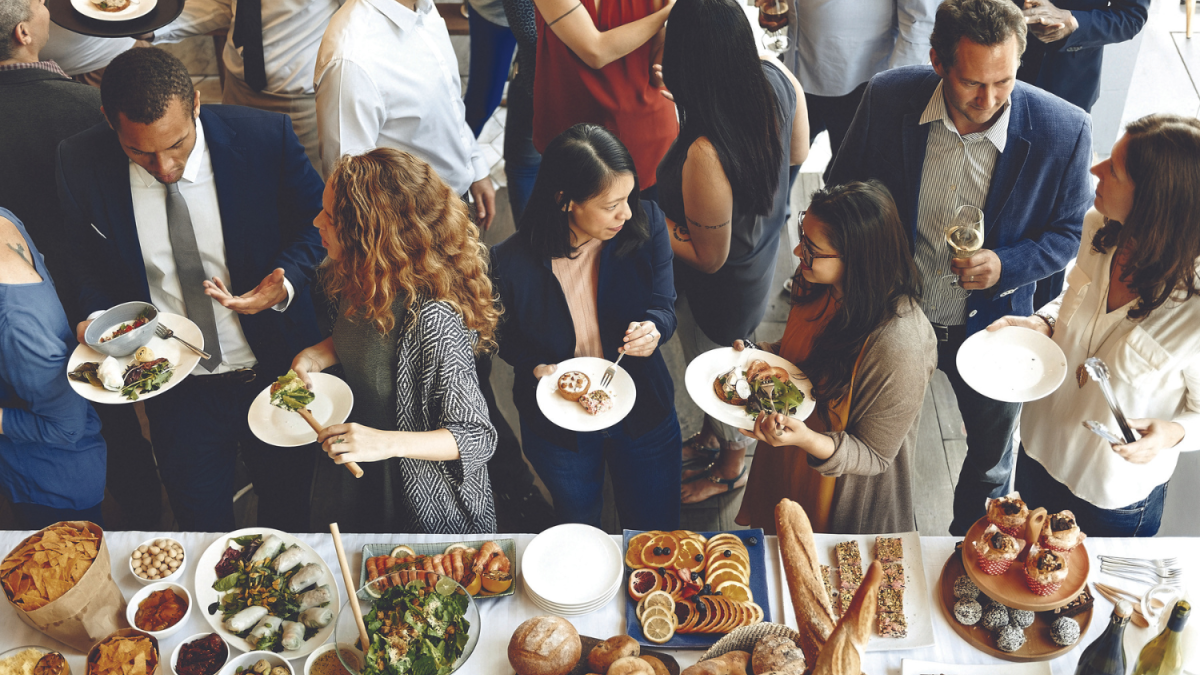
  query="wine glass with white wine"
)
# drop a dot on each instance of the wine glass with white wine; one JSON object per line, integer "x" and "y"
{"x": 964, "y": 236}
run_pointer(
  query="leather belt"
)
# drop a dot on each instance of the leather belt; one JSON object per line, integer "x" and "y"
{"x": 239, "y": 376}
{"x": 947, "y": 333}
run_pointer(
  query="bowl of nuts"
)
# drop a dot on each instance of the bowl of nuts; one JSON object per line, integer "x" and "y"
{"x": 258, "y": 663}
{"x": 157, "y": 560}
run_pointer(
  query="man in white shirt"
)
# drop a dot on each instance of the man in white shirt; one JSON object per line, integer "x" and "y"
{"x": 269, "y": 57}
{"x": 184, "y": 207}
{"x": 387, "y": 76}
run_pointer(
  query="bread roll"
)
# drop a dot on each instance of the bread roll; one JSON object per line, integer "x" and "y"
{"x": 777, "y": 654}
{"x": 729, "y": 663}
{"x": 604, "y": 654}
{"x": 814, "y": 612}
{"x": 842, "y": 654}
{"x": 659, "y": 667}
{"x": 544, "y": 645}
{"x": 630, "y": 665}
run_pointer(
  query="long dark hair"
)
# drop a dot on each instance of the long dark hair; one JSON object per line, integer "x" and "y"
{"x": 1162, "y": 159}
{"x": 713, "y": 71}
{"x": 579, "y": 164}
{"x": 864, "y": 228}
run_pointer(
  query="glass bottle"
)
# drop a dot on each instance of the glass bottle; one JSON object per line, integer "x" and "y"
{"x": 1106, "y": 656}
{"x": 1164, "y": 654}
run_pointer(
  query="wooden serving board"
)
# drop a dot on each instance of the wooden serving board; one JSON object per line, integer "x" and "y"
{"x": 588, "y": 643}
{"x": 1038, "y": 645}
{"x": 1011, "y": 588}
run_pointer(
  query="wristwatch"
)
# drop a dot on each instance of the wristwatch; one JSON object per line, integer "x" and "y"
{"x": 1050, "y": 321}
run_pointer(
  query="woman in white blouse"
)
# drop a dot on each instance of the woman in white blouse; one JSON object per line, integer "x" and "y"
{"x": 1132, "y": 300}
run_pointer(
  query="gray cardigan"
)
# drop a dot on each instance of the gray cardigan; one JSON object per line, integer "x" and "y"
{"x": 873, "y": 456}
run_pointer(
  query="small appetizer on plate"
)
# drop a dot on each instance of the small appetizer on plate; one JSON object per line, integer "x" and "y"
{"x": 573, "y": 385}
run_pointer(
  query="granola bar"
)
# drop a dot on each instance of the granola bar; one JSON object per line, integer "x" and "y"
{"x": 892, "y": 624}
{"x": 888, "y": 549}
{"x": 893, "y": 575}
{"x": 847, "y": 554}
{"x": 891, "y": 600}
{"x": 850, "y": 577}
{"x": 844, "y": 601}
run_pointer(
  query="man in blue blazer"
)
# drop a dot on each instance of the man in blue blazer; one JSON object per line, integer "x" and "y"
{"x": 965, "y": 132}
{"x": 205, "y": 212}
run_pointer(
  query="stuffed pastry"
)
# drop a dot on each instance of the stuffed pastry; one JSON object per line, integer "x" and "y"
{"x": 293, "y": 556}
{"x": 245, "y": 619}
{"x": 315, "y": 598}
{"x": 306, "y": 576}
{"x": 293, "y": 636}
{"x": 270, "y": 547}
{"x": 263, "y": 631}
{"x": 316, "y": 617}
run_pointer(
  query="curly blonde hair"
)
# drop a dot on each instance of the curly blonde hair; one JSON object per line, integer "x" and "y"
{"x": 404, "y": 231}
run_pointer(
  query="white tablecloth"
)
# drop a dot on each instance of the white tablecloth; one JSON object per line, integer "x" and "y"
{"x": 500, "y": 616}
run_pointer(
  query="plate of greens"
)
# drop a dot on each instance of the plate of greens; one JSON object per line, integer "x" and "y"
{"x": 734, "y": 386}
{"x": 330, "y": 402}
{"x": 434, "y": 620}
{"x": 262, "y": 589}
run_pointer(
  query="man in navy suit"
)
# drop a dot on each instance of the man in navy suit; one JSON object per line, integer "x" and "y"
{"x": 205, "y": 212}
{"x": 966, "y": 133}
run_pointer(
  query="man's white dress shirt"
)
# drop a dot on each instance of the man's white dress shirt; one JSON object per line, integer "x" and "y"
{"x": 292, "y": 31}
{"x": 199, "y": 190}
{"x": 388, "y": 77}
{"x": 78, "y": 54}
{"x": 1155, "y": 373}
{"x": 840, "y": 44}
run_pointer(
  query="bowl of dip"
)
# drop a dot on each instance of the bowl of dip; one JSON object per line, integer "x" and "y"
{"x": 324, "y": 660}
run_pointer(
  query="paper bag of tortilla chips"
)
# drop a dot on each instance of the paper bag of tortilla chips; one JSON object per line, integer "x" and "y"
{"x": 59, "y": 581}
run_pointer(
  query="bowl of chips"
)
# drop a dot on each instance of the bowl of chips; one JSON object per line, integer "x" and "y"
{"x": 48, "y": 563}
{"x": 128, "y": 651}
{"x": 34, "y": 660}
{"x": 159, "y": 609}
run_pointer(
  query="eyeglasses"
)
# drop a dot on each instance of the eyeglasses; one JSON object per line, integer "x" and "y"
{"x": 806, "y": 252}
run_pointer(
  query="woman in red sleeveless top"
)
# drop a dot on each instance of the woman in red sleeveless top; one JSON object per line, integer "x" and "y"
{"x": 595, "y": 63}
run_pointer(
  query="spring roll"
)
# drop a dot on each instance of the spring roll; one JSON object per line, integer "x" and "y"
{"x": 292, "y": 557}
{"x": 264, "y": 630}
{"x": 245, "y": 619}
{"x": 316, "y": 617}
{"x": 317, "y": 597}
{"x": 270, "y": 546}
{"x": 306, "y": 576}
{"x": 293, "y": 636}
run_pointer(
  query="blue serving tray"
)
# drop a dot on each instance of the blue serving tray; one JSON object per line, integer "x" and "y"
{"x": 758, "y": 586}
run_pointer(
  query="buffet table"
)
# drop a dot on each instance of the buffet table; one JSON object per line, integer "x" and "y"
{"x": 501, "y": 615}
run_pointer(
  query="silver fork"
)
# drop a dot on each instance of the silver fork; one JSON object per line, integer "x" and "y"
{"x": 610, "y": 372}
{"x": 164, "y": 333}
{"x": 1144, "y": 562}
{"x": 1143, "y": 573}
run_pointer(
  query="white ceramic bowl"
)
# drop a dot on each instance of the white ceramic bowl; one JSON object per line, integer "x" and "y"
{"x": 128, "y": 343}
{"x": 44, "y": 650}
{"x": 197, "y": 636}
{"x": 328, "y": 647}
{"x": 170, "y": 577}
{"x": 132, "y": 608}
{"x": 248, "y": 660}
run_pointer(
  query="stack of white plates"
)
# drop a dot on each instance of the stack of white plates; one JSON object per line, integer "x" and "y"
{"x": 572, "y": 569}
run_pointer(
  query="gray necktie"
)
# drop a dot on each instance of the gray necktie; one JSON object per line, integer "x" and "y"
{"x": 191, "y": 273}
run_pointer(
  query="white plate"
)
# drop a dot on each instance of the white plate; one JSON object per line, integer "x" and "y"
{"x": 562, "y": 610}
{"x": 918, "y": 609}
{"x": 597, "y": 564}
{"x": 287, "y": 429}
{"x": 185, "y": 360}
{"x": 135, "y": 9}
{"x": 703, "y": 371}
{"x": 914, "y": 667}
{"x": 206, "y": 574}
{"x": 571, "y": 415}
{"x": 1012, "y": 364}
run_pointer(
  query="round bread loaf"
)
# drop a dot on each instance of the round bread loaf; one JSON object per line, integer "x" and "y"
{"x": 659, "y": 667}
{"x": 544, "y": 645}
{"x": 605, "y": 653}
{"x": 630, "y": 665}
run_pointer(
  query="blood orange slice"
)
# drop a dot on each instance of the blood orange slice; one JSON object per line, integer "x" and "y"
{"x": 644, "y": 582}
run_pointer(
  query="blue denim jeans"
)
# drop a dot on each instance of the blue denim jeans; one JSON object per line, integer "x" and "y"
{"x": 645, "y": 475}
{"x": 492, "y": 47}
{"x": 521, "y": 159}
{"x": 1139, "y": 519}
{"x": 990, "y": 425}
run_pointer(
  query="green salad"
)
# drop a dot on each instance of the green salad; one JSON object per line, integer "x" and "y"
{"x": 417, "y": 629}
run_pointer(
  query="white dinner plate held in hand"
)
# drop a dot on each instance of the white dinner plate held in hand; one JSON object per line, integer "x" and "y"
{"x": 183, "y": 359}
{"x": 287, "y": 429}
{"x": 703, "y": 371}
{"x": 569, "y": 414}
{"x": 1012, "y": 364}
{"x": 135, "y": 9}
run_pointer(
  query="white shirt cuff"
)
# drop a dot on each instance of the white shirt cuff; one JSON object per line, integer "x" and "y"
{"x": 284, "y": 304}
{"x": 93, "y": 315}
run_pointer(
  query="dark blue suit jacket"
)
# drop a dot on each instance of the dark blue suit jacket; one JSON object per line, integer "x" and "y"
{"x": 1070, "y": 68}
{"x": 268, "y": 194}
{"x": 1040, "y": 188}
{"x": 536, "y": 326}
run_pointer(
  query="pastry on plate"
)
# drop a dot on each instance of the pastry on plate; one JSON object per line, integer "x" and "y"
{"x": 996, "y": 551}
{"x": 1061, "y": 532}
{"x": 1009, "y": 514}
{"x": 572, "y": 385}
{"x": 1045, "y": 570}
{"x": 596, "y": 401}
{"x": 111, "y": 5}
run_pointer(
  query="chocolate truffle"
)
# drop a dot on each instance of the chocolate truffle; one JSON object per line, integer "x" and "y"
{"x": 1064, "y": 631}
{"x": 1021, "y": 618}
{"x": 1010, "y": 639}
{"x": 968, "y": 612}
{"x": 995, "y": 617}
{"x": 964, "y": 588}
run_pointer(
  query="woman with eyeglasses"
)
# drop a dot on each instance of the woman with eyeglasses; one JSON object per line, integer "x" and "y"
{"x": 857, "y": 331}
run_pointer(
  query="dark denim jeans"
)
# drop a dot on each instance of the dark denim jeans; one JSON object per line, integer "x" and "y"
{"x": 990, "y": 425}
{"x": 645, "y": 475}
{"x": 492, "y": 49}
{"x": 1140, "y": 519}
{"x": 521, "y": 159}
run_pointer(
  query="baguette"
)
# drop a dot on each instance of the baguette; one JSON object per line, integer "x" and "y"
{"x": 814, "y": 612}
{"x": 843, "y": 652}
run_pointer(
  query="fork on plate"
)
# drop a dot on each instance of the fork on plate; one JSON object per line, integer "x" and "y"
{"x": 164, "y": 333}
{"x": 610, "y": 372}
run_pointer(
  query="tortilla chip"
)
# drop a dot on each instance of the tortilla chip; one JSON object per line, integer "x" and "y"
{"x": 47, "y": 565}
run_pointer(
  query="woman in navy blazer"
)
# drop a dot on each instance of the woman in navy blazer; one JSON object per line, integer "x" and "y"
{"x": 584, "y": 223}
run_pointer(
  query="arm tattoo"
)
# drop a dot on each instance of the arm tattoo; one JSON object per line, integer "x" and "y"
{"x": 681, "y": 232}
{"x": 564, "y": 15}
{"x": 21, "y": 252}
{"x": 692, "y": 223}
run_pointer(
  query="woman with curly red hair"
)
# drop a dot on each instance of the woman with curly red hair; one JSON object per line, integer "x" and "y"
{"x": 408, "y": 291}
